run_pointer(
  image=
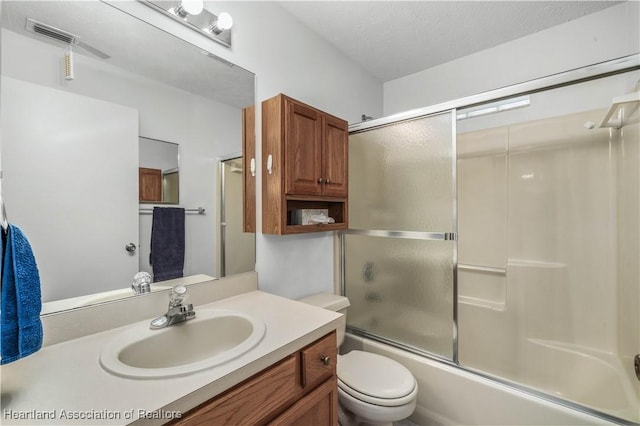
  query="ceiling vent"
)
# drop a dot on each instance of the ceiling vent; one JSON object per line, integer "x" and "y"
{"x": 62, "y": 36}
{"x": 51, "y": 32}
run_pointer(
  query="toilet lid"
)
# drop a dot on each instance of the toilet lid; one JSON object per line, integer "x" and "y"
{"x": 375, "y": 375}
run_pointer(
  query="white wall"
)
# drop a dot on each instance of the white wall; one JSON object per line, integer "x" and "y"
{"x": 286, "y": 58}
{"x": 155, "y": 154}
{"x": 609, "y": 34}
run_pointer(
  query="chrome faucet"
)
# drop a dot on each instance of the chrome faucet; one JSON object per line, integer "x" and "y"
{"x": 177, "y": 312}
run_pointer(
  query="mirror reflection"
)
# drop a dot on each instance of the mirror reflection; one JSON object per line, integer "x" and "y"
{"x": 236, "y": 250}
{"x": 158, "y": 171}
{"x": 71, "y": 151}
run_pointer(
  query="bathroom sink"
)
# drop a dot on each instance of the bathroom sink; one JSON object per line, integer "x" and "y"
{"x": 212, "y": 338}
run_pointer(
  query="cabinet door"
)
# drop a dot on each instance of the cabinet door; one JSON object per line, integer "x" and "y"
{"x": 150, "y": 183}
{"x": 319, "y": 361}
{"x": 335, "y": 156}
{"x": 303, "y": 149}
{"x": 318, "y": 408}
{"x": 253, "y": 402}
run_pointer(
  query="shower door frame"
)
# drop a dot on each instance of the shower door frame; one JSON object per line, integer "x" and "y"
{"x": 415, "y": 235}
{"x": 567, "y": 78}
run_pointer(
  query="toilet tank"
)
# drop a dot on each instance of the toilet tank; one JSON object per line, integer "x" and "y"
{"x": 332, "y": 302}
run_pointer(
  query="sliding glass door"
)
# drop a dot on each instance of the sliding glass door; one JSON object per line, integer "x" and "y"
{"x": 400, "y": 249}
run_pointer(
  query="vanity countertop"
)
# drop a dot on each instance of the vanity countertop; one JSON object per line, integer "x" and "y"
{"x": 65, "y": 384}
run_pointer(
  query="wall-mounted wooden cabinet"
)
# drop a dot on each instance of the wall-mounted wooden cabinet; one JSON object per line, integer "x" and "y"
{"x": 304, "y": 166}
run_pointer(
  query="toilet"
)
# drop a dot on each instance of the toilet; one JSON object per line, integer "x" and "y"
{"x": 372, "y": 389}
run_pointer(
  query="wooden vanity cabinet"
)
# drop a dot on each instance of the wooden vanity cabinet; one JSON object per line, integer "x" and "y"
{"x": 298, "y": 390}
{"x": 305, "y": 165}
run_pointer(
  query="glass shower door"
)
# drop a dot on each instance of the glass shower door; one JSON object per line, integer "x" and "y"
{"x": 399, "y": 254}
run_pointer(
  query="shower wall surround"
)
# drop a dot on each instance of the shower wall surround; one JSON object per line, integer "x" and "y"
{"x": 560, "y": 202}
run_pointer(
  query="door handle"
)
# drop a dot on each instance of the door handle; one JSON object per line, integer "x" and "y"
{"x": 131, "y": 248}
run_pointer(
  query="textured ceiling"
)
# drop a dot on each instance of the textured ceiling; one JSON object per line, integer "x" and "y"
{"x": 392, "y": 39}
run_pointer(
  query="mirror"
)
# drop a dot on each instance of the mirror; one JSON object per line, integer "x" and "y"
{"x": 158, "y": 171}
{"x": 74, "y": 121}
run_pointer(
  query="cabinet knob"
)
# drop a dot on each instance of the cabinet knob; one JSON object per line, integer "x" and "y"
{"x": 320, "y": 180}
{"x": 327, "y": 181}
{"x": 326, "y": 360}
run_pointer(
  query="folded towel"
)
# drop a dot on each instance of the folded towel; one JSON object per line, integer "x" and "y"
{"x": 167, "y": 243}
{"x": 21, "y": 301}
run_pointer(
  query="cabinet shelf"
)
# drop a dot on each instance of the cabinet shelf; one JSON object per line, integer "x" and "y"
{"x": 337, "y": 209}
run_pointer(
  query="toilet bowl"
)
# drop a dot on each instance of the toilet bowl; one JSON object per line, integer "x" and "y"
{"x": 372, "y": 389}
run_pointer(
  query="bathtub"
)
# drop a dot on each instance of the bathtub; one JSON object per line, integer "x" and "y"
{"x": 449, "y": 395}
{"x": 594, "y": 378}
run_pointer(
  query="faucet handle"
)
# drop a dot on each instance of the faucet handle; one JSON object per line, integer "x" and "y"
{"x": 141, "y": 283}
{"x": 178, "y": 295}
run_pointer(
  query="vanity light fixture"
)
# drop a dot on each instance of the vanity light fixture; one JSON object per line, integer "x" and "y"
{"x": 192, "y": 14}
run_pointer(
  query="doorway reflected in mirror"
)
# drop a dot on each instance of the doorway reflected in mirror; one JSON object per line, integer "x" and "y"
{"x": 236, "y": 247}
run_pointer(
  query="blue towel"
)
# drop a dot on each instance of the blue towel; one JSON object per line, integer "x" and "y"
{"x": 21, "y": 301}
{"x": 167, "y": 243}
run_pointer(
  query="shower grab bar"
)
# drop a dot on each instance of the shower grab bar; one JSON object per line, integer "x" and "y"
{"x": 487, "y": 269}
{"x": 413, "y": 235}
{"x": 199, "y": 210}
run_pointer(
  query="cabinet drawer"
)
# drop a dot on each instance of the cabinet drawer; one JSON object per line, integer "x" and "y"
{"x": 253, "y": 402}
{"x": 319, "y": 361}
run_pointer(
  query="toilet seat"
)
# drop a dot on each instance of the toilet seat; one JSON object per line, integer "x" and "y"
{"x": 376, "y": 379}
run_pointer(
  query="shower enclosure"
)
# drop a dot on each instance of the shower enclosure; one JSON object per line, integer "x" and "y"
{"x": 500, "y": 234}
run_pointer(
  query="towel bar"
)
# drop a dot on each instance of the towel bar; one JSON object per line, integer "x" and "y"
{"x": 199, "y": 210}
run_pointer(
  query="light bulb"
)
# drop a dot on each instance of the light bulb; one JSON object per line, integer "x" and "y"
{"x": 225, "y": 21}
{"x": 192, "y": 7}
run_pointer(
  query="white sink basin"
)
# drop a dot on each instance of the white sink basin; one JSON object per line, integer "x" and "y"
{"x": 212, "y": 338}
